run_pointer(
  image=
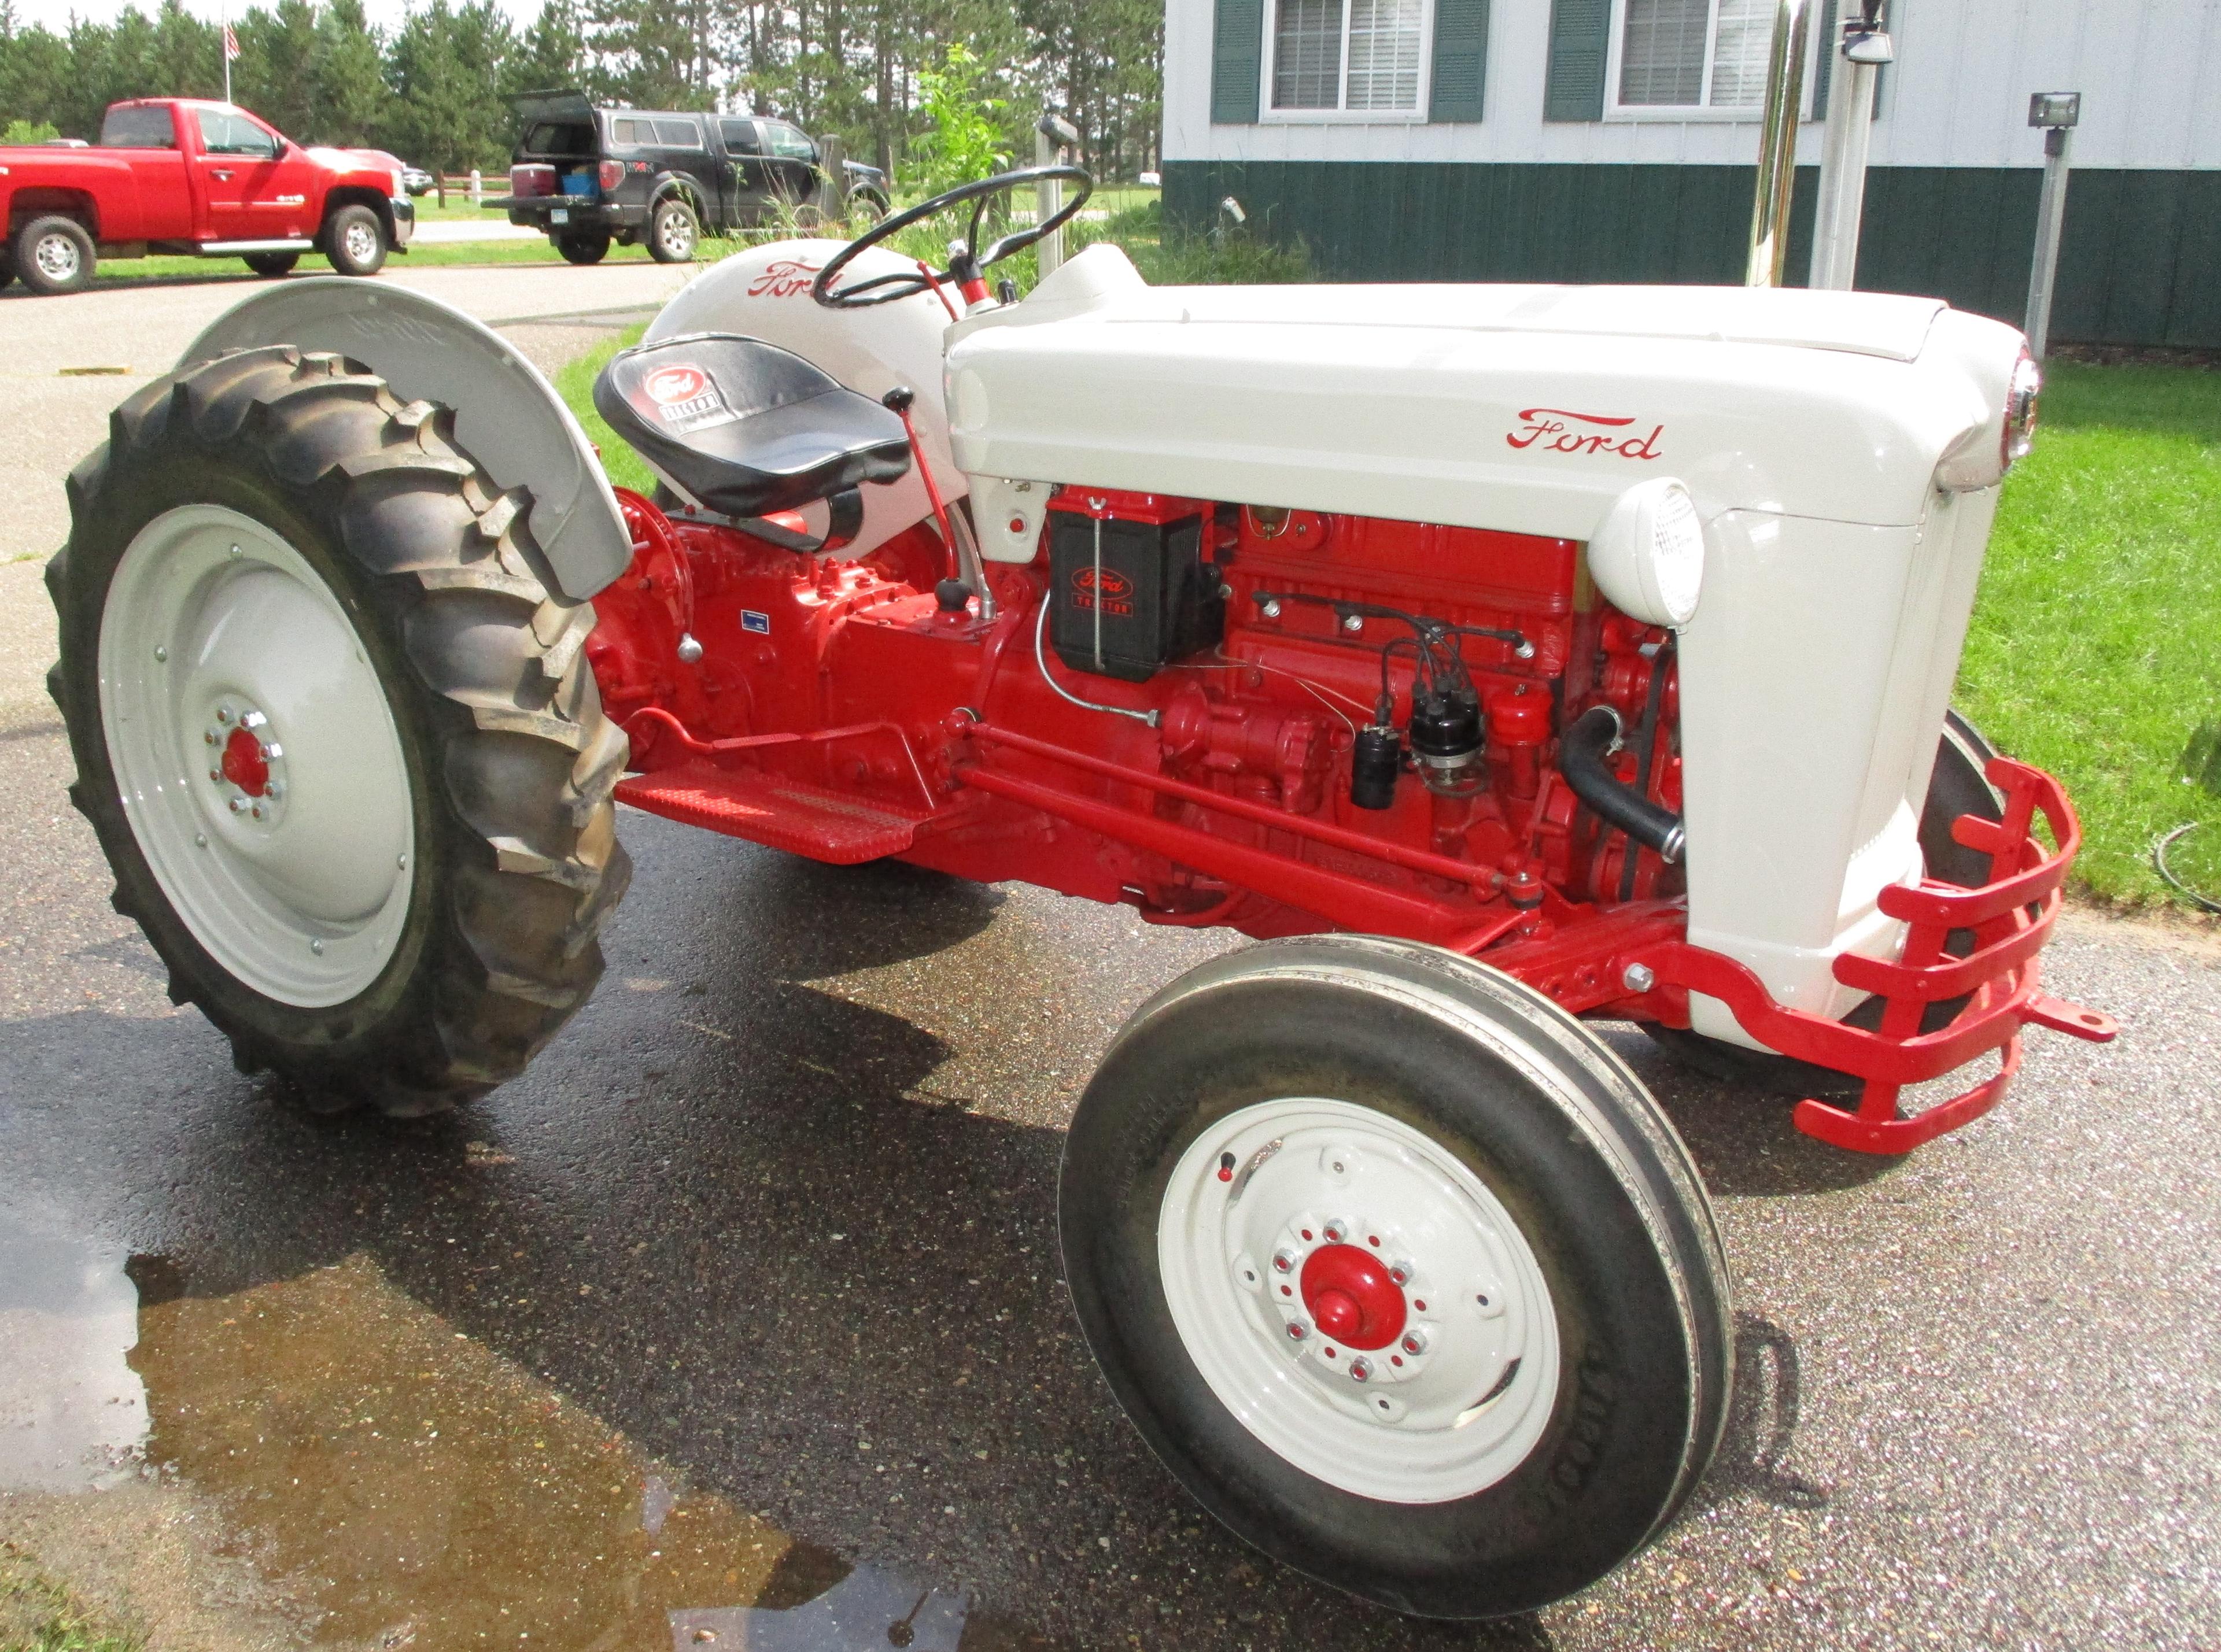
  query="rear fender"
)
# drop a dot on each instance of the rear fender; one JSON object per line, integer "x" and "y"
{"x": 507, "y": 417}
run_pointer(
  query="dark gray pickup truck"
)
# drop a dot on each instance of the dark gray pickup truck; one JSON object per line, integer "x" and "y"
{"x": 588, "y": 177}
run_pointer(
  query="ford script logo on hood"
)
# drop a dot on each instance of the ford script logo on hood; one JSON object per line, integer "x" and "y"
{"x": 1604, "y": 433}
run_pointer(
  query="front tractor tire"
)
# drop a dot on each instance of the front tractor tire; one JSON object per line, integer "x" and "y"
{"x": 1400, "y": 1271}
{"x": 336, "y": 732}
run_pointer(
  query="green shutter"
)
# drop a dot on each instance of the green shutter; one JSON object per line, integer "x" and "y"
{"x": 1460, "y": 60}
{"x": 1238, "y": 54}
{"x": 1580, "y": 35}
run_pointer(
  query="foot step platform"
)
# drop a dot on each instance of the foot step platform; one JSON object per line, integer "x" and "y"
{"x": 778, "y": 813}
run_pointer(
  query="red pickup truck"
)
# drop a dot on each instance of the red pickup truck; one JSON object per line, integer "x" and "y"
{"x": 183, "y": 175}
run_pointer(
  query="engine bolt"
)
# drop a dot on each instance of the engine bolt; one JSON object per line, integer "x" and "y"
{"x": 1361, "y": 1370}
{"x": 1639, "y": 978}
{"x": 1270, "y": 609}
{"x": 1353, "y": 623}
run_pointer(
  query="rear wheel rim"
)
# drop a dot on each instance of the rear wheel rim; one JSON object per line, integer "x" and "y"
{"x": 362, "y": 242}
{"x": 255, "y": 756}
{"x": 678, "y": 240}
{"x": 57, "y": 258}
{"x": 1359, "y": 1300}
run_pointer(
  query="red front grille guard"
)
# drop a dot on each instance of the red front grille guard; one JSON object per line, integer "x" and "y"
{"x": 2010, "y": 918}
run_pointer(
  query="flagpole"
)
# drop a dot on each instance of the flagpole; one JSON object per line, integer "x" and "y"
{"x": 223, "y": 45}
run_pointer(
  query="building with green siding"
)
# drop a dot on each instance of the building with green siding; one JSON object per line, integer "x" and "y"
{"x": 1615, "y": 140}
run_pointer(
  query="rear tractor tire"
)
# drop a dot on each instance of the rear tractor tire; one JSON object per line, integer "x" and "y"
{"x": 1400, "y": 1271}
{"x": 336, "y": 732}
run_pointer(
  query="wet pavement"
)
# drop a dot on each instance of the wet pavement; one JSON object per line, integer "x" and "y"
{"x": 771, "y": 1228}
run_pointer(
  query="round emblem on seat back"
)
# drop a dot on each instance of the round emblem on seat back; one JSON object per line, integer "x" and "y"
{"x": 668, "y": 386}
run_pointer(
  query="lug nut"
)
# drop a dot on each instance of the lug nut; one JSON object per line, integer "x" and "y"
{"x": 318, "y": 947}
{"x": 224, "y": 714}
{"x": 161, "y": 655}
{"x": 1361, "y": 1370}
{"x": 1284, "y": 1262}
{"x": 1298, "y": 1331}
{"x": 1415, "y": 1341}
{"x": 207, "y": 737}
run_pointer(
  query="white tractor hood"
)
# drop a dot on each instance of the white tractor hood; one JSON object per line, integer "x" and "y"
{"x": 1526, "y": 408}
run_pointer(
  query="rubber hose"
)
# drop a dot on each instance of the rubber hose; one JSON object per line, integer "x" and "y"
{"x": 1581, "y": 760}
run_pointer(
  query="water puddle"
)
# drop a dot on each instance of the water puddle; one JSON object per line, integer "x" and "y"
{"x": 404, "y": 1484}
{"x": 72, "y": 1411}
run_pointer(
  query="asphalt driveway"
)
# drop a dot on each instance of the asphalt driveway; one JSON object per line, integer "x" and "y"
{"x": 739, "y": 1319}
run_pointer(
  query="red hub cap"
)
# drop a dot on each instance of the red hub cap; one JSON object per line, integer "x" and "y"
{"x": 1351, "y": 1298}
{"x": 244, "y": 765}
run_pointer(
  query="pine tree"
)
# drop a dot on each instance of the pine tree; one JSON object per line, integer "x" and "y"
{"x": 352, "y": 100}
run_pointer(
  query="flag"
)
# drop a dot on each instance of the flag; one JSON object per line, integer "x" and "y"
{"x": 230, "y": 42}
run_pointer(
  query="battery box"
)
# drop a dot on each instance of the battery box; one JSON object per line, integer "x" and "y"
{"x": 1130, "y": 587}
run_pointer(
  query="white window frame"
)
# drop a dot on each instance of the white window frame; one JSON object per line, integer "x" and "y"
{"x": 1268, "y": 115}
{"x": 1823, "y": 39}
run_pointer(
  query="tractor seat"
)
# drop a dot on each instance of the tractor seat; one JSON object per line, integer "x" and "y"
{"x": 745, "y": 428}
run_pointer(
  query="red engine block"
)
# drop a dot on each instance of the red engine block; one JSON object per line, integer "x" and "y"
{"x": 834, "y": 709}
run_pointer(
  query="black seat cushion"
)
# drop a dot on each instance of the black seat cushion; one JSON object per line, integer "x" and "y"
{"x": 745, "y": 428}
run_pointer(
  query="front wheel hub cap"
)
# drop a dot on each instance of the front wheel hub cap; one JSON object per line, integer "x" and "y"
{"x": 1351, "y": 1297}
{"x": 1360, "y": 1300}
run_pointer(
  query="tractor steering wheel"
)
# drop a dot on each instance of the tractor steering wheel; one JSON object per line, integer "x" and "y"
{"x": 965, "y": 263}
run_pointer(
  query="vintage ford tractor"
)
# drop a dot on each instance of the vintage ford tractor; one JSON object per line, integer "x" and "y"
{"x": 1498, "y": 657}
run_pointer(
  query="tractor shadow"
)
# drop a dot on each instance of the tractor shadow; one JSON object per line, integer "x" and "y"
{"x": 1744, "y": 1141}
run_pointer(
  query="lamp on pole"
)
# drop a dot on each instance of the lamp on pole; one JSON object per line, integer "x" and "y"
{"x": 1865, "y": 47}
{"x": 2054, "y": 113}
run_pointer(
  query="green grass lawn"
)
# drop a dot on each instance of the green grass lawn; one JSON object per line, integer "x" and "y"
{"x": 2096, "y": 646}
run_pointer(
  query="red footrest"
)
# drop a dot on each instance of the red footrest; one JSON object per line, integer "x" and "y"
{"x": 776, "y": 812}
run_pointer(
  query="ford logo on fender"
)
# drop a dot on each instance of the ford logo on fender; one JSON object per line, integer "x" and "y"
{"x": 1549, "y": 426}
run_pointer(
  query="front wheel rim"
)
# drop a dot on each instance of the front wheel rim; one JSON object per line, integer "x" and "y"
{"x": 1359, "y": 1300}
{"x": 362, "y": 243}
{"x": 256, "y": 756}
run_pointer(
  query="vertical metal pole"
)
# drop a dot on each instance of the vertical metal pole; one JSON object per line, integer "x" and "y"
{"x": 1844, "y": 172}
{"x": 1777, "y": 145}
{"x": 2050, "y": 212}
{"x": 1049, "y": 200}
{"x": 223, "y": 46}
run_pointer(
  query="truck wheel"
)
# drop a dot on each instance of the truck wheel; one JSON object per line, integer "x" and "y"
{"x": 674, "y": 231}
{"x": 1956, "y": 786}
{"x": 338, "y": 739}
{"x": 585, "y": 248}
{"x": 271, "y": 264}
{"x": 354, "y": 240}
{"x": 1400, "y": 1271}
{"x": 865, "y": 208}
{"x": 54, "y": 255}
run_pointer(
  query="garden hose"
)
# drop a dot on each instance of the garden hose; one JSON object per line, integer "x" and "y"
{"x": 2159, "y": 863}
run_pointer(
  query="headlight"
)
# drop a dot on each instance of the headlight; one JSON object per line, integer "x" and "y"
{"x": 1648, "y": 556}
{"x": 2021, "y": 394}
